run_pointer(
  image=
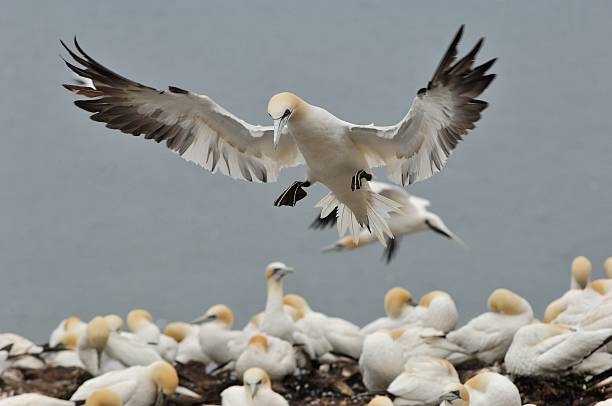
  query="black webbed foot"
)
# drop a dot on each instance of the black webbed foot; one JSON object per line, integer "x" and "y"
{"x": 292, "y": 194}
{"x": 356, "y": 180}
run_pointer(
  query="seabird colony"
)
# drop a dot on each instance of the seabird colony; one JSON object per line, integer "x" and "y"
{"x": 411, "y": 354}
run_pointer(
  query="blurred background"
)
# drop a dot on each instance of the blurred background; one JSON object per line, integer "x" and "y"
{"x": 93, "y": 221}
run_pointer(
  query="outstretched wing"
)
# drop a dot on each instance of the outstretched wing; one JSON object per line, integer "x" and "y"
{"x": 441, "y": 114}
{"x": 192, "y": 125}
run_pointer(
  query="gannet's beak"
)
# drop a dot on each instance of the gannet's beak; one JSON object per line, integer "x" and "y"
{"x": 204, "y": 319}
{"x": 450, "y": 396}
{"x": 254, "y": 389}
{"x": 279, "y": 126}
{"x": 284, "y": 272}
{"x": 161, "y": 398}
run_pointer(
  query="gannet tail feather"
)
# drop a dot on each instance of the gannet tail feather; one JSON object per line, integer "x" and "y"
{"x": 378, "y": 208}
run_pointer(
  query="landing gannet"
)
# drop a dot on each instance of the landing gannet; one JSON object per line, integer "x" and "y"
{"x": 275, "y": 356}
{"x": 333, "y": 334}
{"x": 381, "y": 359}
{"x": 412, "y": 217}
{"x": 399, "y": 307}
{"x": 140, "y": 322}
{"x": 488, "y": 336}
{"x": 553, "y": 349}
{"x": 380, "y": 401}
{"x": 337, "y": 153}
{"x": 422, "y": 382}
{"x": 485, "y": 389}
{"x": 136, "y": 386}
{"x": 276, "y": 322}
{"x": 256, "y": 391}
{"x": 188, "y": 338}
{"x": 216, "y": 332}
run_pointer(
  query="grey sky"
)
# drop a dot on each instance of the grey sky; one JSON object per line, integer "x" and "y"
{"x": 94, "y": 221}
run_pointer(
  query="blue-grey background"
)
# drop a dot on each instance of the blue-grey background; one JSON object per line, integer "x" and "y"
{"x": 93, "y": 221}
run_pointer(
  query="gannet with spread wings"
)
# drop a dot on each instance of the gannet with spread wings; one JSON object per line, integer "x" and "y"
{"x": 336, "y": 153}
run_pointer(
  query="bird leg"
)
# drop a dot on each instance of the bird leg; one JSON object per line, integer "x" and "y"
{"x": 356, "y": 180}
{"x": 292, "y": 194}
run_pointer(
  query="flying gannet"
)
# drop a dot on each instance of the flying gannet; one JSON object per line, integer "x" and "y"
{"x": 337, "y": 153}
{"x": 413, "y": 217}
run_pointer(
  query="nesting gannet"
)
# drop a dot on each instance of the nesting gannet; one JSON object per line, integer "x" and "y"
{"x": 399, "y": 307}
{"x": 19, "y": 352}
{"x": 380, "y": 401}
{"x": 552, "y": 349}
{"x": 72, "y": 323}
{"x": 256, "y": 391}
{"x": 92, "y": 341}
{"x": 275, "y": 356}
{"x": 419, "y": 341}
{"x": 130, "y": 351}
{"x": 381, "y": 359}
{"x": 136, "y": 386}
{"x": 422, "y": 382}
{"x": 276, "y": 322}
{"x": 438, "y": 311}
{"x": 68, "y": 357}
{"x": 216, "y": 332}
{"x": 188, "y": 338}
{"x": 411, "y": 218}
{"x": 337, "y": 153}
{"x": 600, "y": 316}
{"x": 331, "y": 333}
{"x": 485, "y": 389}
{"x": 114, "y": 322}
{"x": 140, "y": 322}
{"x": 488, "y": 336}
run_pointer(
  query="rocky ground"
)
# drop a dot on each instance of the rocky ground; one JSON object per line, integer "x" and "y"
{"x": 339, "y": 386}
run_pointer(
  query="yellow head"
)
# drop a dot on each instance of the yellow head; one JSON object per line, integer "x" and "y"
{"x": 222, "y": 313}
{"x": 396, "y": 301}
{"x": 177, "y": 330}
{"x": 608, "y": 267}
{"x": 428, "y": 297}
{"x": 254, "y": 379}
{"x": 165, "y": 376}
{"x": 396, "y": 333}
{"x": 114, "y": 322}
{"x": 71, "y": 322}
{"x": 136, "y": 317}
{"x": 455, "y": 394}
{"x": 296, "y": 301}
{"x": 276, "y": 271}
{"x": 581, "y": 271}
{"x": 553, "y": 310}
{"x": 601, "y": 286}
{"x": 505, "y": 301}
{"x": 70, "y": 339}
{"x": 97, "y": 333}
{"x": 380, "y": 401}
{"x": 256, "y": 319}
{"x": 259, "y": 341}
{"x": 103, "y": 397}
{"x": 283, "y": 107}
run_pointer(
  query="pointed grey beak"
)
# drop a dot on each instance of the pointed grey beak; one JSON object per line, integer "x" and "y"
{"x": 254, "y": 389}
{"x": 204, "y": 319}
{"x": 450, "y": 396}
{"x": 284, "y": 272}
{"x": 279, "y": 126}
{"x": 161, "y": 398}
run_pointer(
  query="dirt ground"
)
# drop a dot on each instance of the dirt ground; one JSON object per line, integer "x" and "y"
{"x": 339, "y": 386}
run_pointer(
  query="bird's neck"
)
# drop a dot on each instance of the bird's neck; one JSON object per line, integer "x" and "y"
{"x": 274, "y": 301}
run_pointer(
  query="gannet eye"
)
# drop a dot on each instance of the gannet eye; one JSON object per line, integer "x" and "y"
{"x": 286, "y": 113}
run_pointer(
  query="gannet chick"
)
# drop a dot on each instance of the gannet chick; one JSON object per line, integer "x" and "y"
{"x": 438, "y": 311}
{"x": 381, "y": 359}
{"x": 333, "y": 333}
{"x": 216, "y": 332}
{"x": 256, "y": 391}
{"x": 488, "y": 336}
{"x": 19, "y": 352}
{"x": 552, "y": 349}
{"x": 276, "y": 322}
{"x": 136, "y": 386}
{"x": 380, "y": 401}
{"x": 35, "y": 399}
{"x": 412, "y": 217}
{"x": 72, "y": 323}
{"x": 271, "y": 354}
{"x": 399, "y": 307}
{"x": 188, "y": 338}
{"x": 140, "y": 322}
{"x": 422, "y": 382}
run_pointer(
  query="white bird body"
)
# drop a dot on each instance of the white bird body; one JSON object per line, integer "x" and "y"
{"x": 188, "y": 338}
{"x": 484, "y": 389}
{"x": 34, "y": 399}
{"x": 63, "y": 359}
{"x": 418, "y": 341}
{"x": 552, "y": 350}
{"x": 273, "y": 355}
{"x": 437, "y": 310}
{"x": 422, "y": 382}
{"x": 214, "y": 338}
{"x": 381, "y": 360}
{"x": 256, "y": 391}
{"x": 573, "y": 306}
{"x": 400, "y": 311}
{"x": 276, "y": 321}
{"x": 140, "y": 322}
{"x": 488, "y": 336}
{"x": 336, "y": 153}
{"x": 72, "y": 323}
{"x": 136, "y": 386}
{"x": 20, "y": 350}
{"x": 599, "y": 317}
{"x": 130, "y": 351}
